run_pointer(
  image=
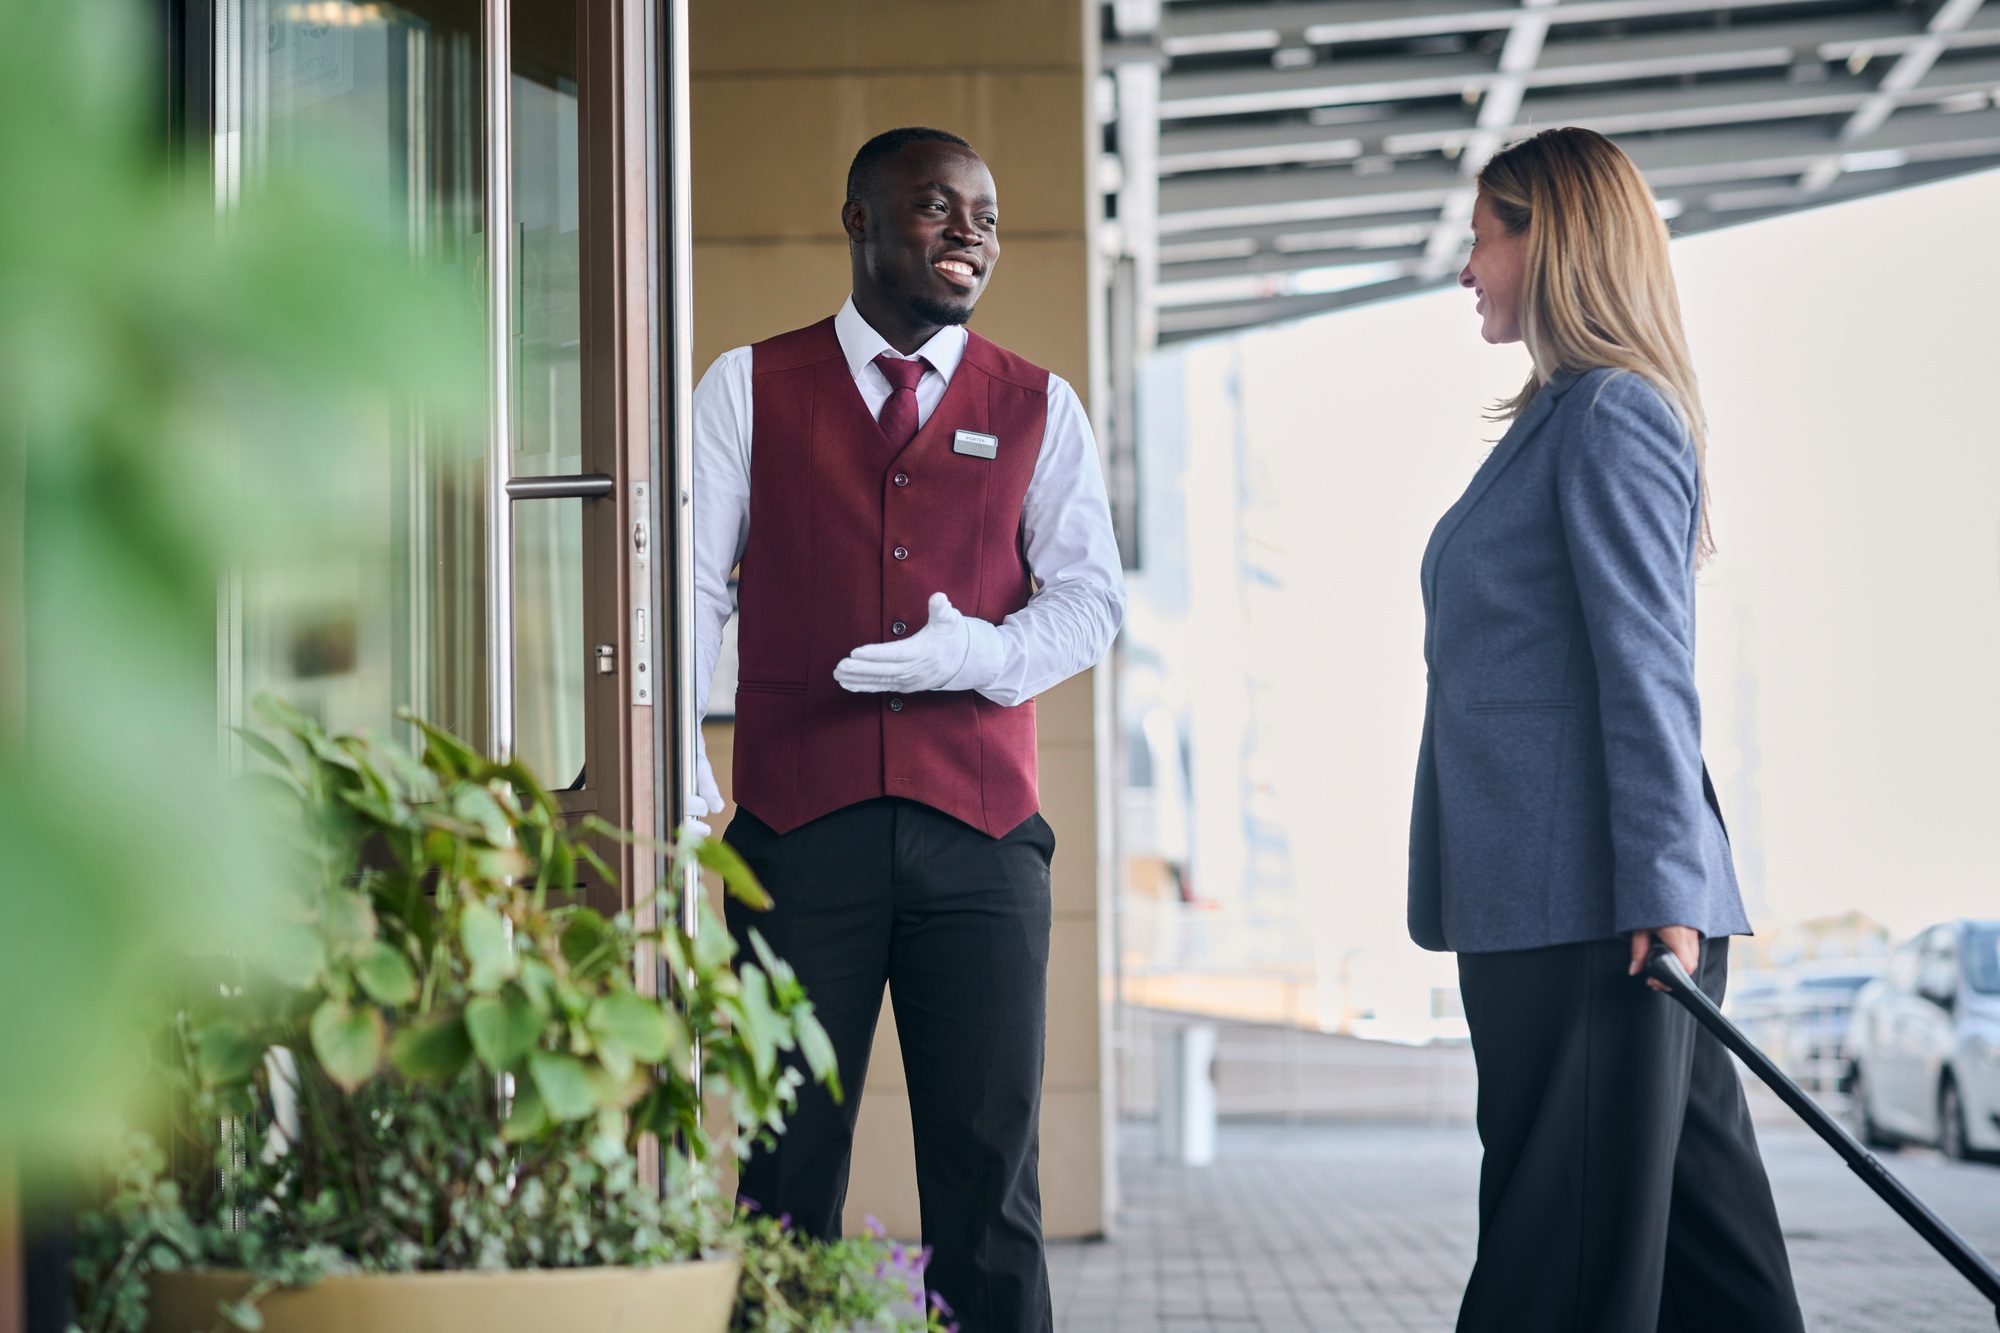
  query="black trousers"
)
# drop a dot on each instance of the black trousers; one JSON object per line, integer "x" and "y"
{"x": 1621, "y": 1190}
{"x": 956, "y": 924}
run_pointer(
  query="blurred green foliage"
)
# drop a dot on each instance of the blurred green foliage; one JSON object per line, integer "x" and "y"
{"x": 180, "y": 393}
{"x": 340, "y": 1102}
{"x": 434, "y": 937}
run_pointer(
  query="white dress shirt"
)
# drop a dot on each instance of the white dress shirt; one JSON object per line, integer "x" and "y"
{"x": 1079, "y": 598}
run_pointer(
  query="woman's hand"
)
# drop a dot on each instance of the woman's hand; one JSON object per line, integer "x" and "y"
{"x": 1683, "y": 941}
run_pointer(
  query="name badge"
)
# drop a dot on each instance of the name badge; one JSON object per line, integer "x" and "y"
{"x": 972, "y": 442}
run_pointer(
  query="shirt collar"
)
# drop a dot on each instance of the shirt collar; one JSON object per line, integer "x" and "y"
{"x": 860, "y": 344}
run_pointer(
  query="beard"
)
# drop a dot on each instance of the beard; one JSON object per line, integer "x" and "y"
{"x": 934, "y": 311}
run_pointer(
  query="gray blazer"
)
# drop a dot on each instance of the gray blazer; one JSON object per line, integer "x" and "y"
{"x": 1561, "y": 794}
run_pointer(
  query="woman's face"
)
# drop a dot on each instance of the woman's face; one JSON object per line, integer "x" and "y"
{"x": 1493, "y": 274}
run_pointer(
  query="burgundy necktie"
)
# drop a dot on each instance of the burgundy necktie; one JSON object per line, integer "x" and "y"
{"x": 898, "y": 418}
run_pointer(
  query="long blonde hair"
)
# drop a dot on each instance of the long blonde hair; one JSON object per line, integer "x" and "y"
{"x": 1598, "y": 289}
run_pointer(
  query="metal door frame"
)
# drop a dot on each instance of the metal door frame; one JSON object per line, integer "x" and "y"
{"x": 638, "y": 310}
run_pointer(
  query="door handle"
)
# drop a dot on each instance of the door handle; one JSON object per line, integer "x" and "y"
{"x": 578, "y": 486}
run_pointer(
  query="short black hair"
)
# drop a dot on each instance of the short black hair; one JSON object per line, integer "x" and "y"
{"x": 867, "y": 164}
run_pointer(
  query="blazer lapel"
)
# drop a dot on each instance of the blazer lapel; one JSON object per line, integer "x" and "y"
{"x": 1505, "y": 452}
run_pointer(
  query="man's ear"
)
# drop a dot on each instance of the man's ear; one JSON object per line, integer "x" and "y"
{"x": 854, "y": 221}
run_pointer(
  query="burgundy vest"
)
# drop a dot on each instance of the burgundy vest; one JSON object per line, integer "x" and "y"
{"x": 848, "y": 537}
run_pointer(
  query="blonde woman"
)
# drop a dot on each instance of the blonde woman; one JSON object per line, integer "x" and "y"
{"x": 1563, "y": 819}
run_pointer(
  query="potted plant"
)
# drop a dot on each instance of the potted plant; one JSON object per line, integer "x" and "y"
{"x": 420, "y": 1106}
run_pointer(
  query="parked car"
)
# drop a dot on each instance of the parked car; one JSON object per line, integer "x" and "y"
{"x": 1799, "y": 1015}
{"x": 1925, "y": 1043}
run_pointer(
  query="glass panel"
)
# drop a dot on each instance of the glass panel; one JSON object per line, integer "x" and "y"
{"x": 550, "y": 657}
{"x": 396, "y": 620}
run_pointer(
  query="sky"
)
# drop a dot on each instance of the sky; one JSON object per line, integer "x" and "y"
{"x": 1849, "y": 629}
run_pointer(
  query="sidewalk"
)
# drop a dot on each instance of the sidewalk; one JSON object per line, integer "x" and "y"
{"x": 1329, "y": 1229}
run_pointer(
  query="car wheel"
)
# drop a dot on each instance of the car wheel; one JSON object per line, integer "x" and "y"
{"x": 1858, "y": 1113}
{"x": 1951, "y": 1122}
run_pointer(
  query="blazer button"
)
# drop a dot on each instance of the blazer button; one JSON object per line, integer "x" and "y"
{"x": 901, "y": 553}
{"x": 902, "y": 478}
{"x": 899, "y": 628}
{"x": 895, "y": 705}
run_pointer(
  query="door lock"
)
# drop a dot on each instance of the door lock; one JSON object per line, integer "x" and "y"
{"x": 607, "y": 659}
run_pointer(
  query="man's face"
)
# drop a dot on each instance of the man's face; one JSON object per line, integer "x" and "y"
{"x": 928, "y": 235}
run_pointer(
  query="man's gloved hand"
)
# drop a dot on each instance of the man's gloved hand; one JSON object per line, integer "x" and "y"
{"x": 924, "y": 661}
{"x": 706, "y": 798}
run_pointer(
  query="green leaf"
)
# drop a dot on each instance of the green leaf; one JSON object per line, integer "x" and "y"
{"x": 559, "y": 865}
{"x": 386, "y": 975}
{"x": 564, "y": 1085}
{"x": 398, "y": 895}
{"x": 418, "y": 783}
{"x": 595, "y": 862}
{"x": 527, "y": 1117}
{"x": 446, "y": 753}
{"x": 431, "y": 1050}
{"x": 680, "y": 1042}
{"x": 226, "y": 1054}
{"x": 538, "y": 983}
{"x": 785, "y": 987}
{"x": 614, "y": 1091}
{"x": 348, "y": 1042}
{"x": 817, "y": 1048}
{"x": 380, "y": 810}
{"x": 616, "y": 1060}
{"x": 295, "y": 955}
{"x": 637, "y": 1023}
{"x": 517, "y": 780}
{"x": 759, "y": 1026}
{"x": 484, "y": 935}
{"x": 503, "y": 1028}
{"x": 477, "y": 806}
{"x": 713, "y": 945}
{"x": 347, "y": 919}
{"x": 501, "y": 863}
{"x": 270, "y": 753}
{"x": 573, "y": 1000}
{"x": 244, "y": 1314}
{"x": 283, "y": 716}
{"x": 738, "y": 880}
{"x": 585, "y": 934}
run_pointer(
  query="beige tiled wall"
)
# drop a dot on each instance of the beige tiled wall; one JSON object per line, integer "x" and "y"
{"x": 784, "y": 92}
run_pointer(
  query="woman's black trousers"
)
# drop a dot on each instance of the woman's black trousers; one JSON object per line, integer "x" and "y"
{"x": 1621, "y": 1190}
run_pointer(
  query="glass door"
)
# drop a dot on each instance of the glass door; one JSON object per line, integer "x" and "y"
{"x": 551, "y": 658}
{"x": 396, "y": 619}
{"x": 492, "y": 591}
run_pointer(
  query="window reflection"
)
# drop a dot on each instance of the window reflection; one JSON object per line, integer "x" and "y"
{"x": 395, "y": 619}
{"x": 550, "y": 654}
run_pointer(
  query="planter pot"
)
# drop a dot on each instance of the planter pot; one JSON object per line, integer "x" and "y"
{"x": 693, "y": 1297}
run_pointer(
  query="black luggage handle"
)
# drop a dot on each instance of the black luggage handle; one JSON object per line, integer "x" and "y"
{"x": 1666, "y": 969}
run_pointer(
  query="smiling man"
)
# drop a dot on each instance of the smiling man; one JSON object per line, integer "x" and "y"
{"x": 924, "y": 546}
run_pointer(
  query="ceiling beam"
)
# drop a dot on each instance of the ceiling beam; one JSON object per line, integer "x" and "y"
{"x": 1267, "y": 27}
{"x": 1189, "y": 96}
{"x": 1732, "y": 111}
{"x": 1497, "y": 109}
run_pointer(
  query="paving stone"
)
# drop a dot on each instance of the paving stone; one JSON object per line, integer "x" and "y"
{"x": 1358, "y": 1228}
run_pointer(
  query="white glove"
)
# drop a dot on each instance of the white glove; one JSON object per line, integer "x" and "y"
{"x": 924, "y": 661}
{"x": 706, "y": 798}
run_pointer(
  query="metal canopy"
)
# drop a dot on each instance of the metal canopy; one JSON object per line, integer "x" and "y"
{"x": 1310, "y": 156}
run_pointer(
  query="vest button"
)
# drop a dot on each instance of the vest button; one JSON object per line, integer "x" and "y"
{"x": 899, "y": 628}
{"x": 901, "y": 553}
{"x": 895, "y": 705}
{"x": 902, "y": 478}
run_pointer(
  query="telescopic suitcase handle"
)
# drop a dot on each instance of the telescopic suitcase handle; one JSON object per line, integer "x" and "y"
{"x": 1666, "y": 969}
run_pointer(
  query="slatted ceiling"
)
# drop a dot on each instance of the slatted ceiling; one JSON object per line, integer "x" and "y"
{"x": 1318, "y": 155}
{"x": 1196, "y": 29}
